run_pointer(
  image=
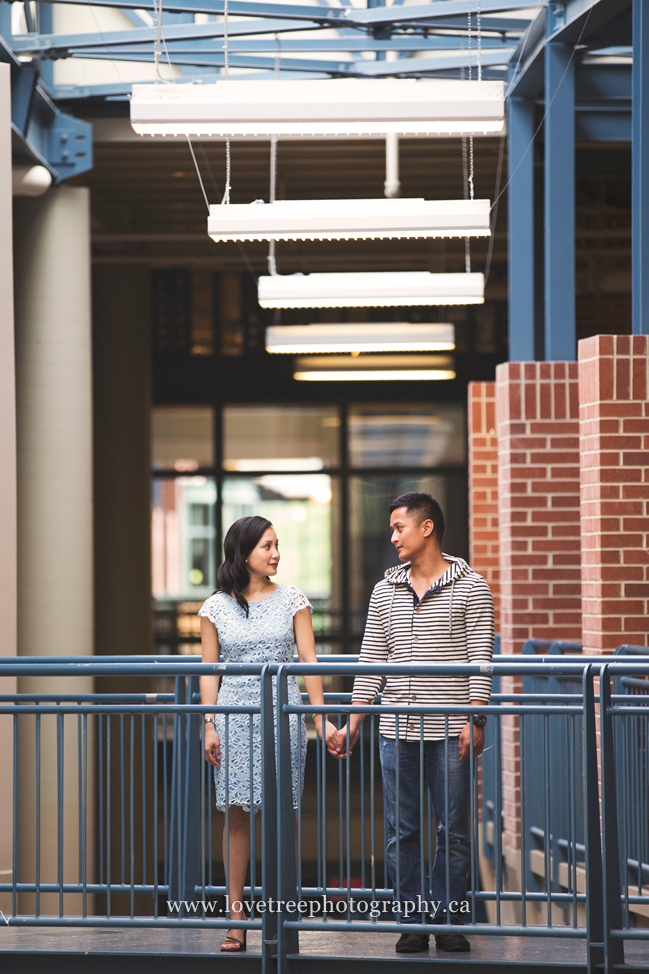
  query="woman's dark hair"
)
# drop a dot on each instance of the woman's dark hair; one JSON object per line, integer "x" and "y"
{"x": 242, "y": 537}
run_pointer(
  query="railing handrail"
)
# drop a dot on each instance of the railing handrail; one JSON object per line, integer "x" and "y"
{"x": 277, "y": 806}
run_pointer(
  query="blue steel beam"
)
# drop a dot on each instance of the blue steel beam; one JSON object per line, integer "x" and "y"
{"x": 357, "y": 43}
{"x": 60, "y": 143}
{"x": 640, "y": 171}
{"x": 61, "y": 45}
{"x": 572, "y": 23}
{"x": 447, "y": 62}
{"x": 520, "y": 216}
{"x": 596, "y": 125}
{"x": 559, "y": 209}
{"x": 444, "y": 12}
{"x": 401, "y": 68}
{"x": 337, "y": 68}
{"x": 498, "y": 25}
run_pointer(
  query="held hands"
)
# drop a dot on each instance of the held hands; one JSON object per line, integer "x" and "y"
{"x": 336, "y": 740}
{"x": 339, "y": 741}
{"x": 212, "y": 746}
{"x": 330, "y": 736}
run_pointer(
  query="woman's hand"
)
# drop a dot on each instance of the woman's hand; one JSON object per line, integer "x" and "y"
{"x": 212, "y": 746}
{"x": 331, "y": 737}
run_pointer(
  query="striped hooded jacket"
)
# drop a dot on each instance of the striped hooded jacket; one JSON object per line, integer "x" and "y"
{"x": 453, "y": 623}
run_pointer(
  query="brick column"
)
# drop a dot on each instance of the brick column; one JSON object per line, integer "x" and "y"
{"x": 538, "y": 514}
{"x": 538, "y": 502}
{"x": 614, "y": 447}
{"x": 483, "y": 487}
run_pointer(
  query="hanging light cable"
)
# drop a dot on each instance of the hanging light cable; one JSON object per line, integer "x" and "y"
{"x": 478, "y": 22}
{"x": 157, "y": 10}
{"x": 226, "y": 66}
{"x": 272, "y": 263}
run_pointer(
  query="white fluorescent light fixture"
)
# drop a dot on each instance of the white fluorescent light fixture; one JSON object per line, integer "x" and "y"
{"x": 378, "y": 375}
{"x": 276, "y": 465}
{"x": 373, "y": 289}
{"x": 348, "y": 219}
{"x": 373, "y": 368}
{"x": 321, "y": 108}
{"x": 374, "y": 337}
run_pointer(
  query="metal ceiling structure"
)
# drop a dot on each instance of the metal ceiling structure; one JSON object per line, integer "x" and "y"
{"x": 574, "y": 73}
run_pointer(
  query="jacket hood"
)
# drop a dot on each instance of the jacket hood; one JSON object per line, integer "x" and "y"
{"x": 457, "y": 568}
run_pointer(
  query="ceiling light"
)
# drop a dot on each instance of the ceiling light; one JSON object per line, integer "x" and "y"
{"x": 374, "y": 337}
{"x": 378, "y": 375}
{"x": 373, "y": 289}
{"x": 373, "y": 368}
{"x": 352, "y": 107}
{"x": 348, "y": 219}
{"x": 288, "y": 464}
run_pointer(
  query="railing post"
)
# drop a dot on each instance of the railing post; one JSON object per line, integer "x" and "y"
{"x": 592, "y": 841}
{"x": 177, "y": 789}
{"x": 287, "y": 940}
{"x": 191, "y": 819}
{"x": 613, "y": 947}
{"x": 269, "y": 848}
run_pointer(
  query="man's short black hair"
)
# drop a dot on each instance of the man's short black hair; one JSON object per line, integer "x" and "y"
{"x": 424, "y": 506}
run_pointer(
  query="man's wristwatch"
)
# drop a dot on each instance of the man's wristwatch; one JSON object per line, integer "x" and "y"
{"x": 479, "y": 720}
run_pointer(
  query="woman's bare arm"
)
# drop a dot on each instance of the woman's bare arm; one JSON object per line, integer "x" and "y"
{"x": 305, "y": 641}
{"x": 210, "y": 688}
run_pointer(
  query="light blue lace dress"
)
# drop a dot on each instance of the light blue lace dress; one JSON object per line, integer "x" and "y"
{"x": 266, "y": 636}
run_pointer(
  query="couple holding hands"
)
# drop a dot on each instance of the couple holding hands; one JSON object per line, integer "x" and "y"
{"x": 431, "y": 608}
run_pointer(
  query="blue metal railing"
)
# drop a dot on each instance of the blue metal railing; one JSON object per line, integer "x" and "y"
{"x": 492, "y": 786}
{"x": 631, "y": 743}
{"x": 155, "y": 825}
{"x": 553, "y": 803}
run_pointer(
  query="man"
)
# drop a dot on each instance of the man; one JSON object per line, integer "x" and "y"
{"x": 431, "y": 609}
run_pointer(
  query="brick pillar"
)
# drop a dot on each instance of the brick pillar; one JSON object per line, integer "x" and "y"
{"x": 538, "y": 514}
{"x": 538, "y": 502}
{"x": 614, "y": 447}
{"x": 483, "y": 487}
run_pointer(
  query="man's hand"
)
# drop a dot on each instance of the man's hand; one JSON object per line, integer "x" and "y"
{"x": 332, "y": 739}
{"x": 355, "y": 722}
{"x": 465, "y": 741}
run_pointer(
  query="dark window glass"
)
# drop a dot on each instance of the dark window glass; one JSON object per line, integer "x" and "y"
{"x": 288, "y": 438}
{"x": 182, "y": 437}
{"x": 371, "y": 551}
{"x": 390, "y": 435}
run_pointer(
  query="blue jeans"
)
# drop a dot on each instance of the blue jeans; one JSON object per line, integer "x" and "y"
{"x": 408, "y": 888}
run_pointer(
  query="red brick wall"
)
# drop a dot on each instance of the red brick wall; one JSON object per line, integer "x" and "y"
{"x": 483, "y": 487}
{"x": 538, "y": 502}
{"x": 614, "y": 443}
{"x": 538, "y": 516}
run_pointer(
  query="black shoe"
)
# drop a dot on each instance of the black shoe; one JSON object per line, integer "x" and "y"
{"x": 453, "y": 942}
{"x": 412, "y": 943}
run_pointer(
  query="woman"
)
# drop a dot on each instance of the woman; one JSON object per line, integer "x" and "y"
{"x": 252, "y": 620}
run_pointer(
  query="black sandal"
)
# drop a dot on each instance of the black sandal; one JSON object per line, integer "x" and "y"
{"x": 232, "y": 945}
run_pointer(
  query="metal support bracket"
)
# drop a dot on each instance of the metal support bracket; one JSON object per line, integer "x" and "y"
{"x": 61, "y": 143}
